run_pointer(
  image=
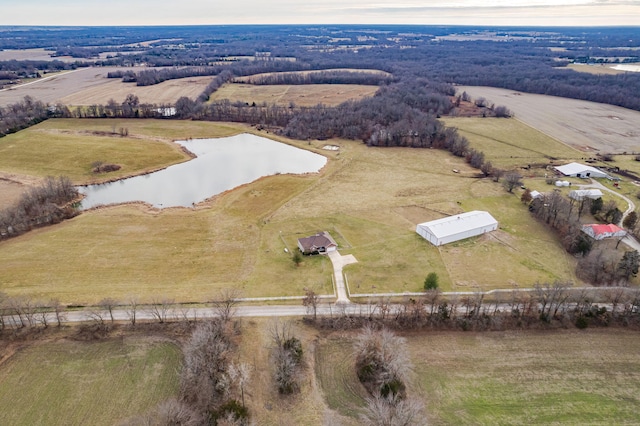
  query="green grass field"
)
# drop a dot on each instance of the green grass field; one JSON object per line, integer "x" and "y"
{"x": 99, "y": 383}
{"x": 508, "y": 142}
{"x": 504, "y": 378}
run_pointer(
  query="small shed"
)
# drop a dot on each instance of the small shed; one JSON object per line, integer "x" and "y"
{"x": 600, "y": 232}
{"x": 581, "y": 170}
{"x": 457, "y": 227}
{"x": 535, "y": 194}
{"x": 581, "y": 194}
{"x": 320, "y": 243}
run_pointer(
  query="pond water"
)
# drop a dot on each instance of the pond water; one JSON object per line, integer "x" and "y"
{"x": 221, "y": 164}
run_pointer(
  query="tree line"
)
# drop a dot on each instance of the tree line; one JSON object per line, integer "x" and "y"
{"x": 322, "y": 77}
{"x": 42, "y": 205}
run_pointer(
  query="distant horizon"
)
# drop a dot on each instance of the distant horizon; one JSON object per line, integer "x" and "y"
{"x": 491, "y": 13}
{"x": 363, "y": 24}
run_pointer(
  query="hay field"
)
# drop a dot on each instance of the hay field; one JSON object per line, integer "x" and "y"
{"x": 301, "y": 95}
{"x": 587, "y": 126}
{"x": 525, "y": 377}
{"x": 167, "y": 92}
{"x": 370, "y": 199}
{"x": 100, "y": 383}
{"x": 87, "y": 86}
{"x": 509, "y": 143}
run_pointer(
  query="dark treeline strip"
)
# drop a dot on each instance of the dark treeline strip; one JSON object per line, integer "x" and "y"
{"x": 42, "y": 205}
{"x": 18, "y": 116}
{"x": 551, "y": 305}
{"x": 31, "y": 67}
{"x": 323, "y": 77}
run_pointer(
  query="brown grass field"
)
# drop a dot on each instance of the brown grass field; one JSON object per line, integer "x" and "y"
{"x": 514, "y": 377}
{"x": 167, "y": 92}
{"x": 369, "y": 198}
{"x": 587, "y": 126}
{"x": 87, "y": 86}
{"x": 301, "y": 95}
{"x": 66, "y": 382}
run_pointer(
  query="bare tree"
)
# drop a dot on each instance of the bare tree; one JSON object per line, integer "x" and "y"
{"x": 168, "y": 413}
{"x": 311, "y": 301}
{"x": 393, "y": 411}
{"x": 511, "y": 180}
{"x": 240, "y": 374}
{"x": 58, "y": 311}
{"x": 108, "y": 304}
{"x": 132, "y": 310}
{"x": 225, "y": 303}
{"x": 204, "y": 382}
{"x": 382, "y": 361}
{"x": 287, "y": 357}
{"x": 160, "y": 309}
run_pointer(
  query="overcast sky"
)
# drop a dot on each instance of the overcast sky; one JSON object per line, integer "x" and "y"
{"x": 186, "y": 12}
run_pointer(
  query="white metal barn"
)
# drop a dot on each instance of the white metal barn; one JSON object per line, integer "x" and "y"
{"x": 581, "y": 171}
{"x": 581, "y": 194}
{"x": 458, "y": 227}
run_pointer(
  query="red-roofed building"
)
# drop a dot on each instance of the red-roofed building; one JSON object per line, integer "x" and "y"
{"x": 600, "y": 232}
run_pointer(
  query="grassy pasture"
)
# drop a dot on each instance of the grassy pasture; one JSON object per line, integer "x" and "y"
{"x": 69, "y": 147}
{"x": 370, "y": 199}
{"x": 508, "y": 143}
{"x": 99, "y": 383}
{"x": 551, "y": 377}
{"x": 301, "y": 95}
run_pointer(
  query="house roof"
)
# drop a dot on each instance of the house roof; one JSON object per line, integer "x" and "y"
{"x": 576, "y": 168}
{"x": 599, "y": 229}
{"x": 321, "y": 239}
{"x": 459, "y": 223}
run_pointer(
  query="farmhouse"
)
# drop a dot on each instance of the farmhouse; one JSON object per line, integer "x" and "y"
{"x": 581, "y": 171}
{"x": 600, "y": 232}
{"x": 458, "y": 227}
{"x": 581, "y": 194}
{"x": 317, "y": 244}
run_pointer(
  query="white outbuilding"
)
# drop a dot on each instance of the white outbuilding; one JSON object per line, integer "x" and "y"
{"x": 581, "y": 194}
{"x": 581, "y": 171}
{"x": 458, "y": 227}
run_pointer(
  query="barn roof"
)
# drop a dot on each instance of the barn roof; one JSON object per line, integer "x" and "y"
{"x": 576, "y": 168}
{"x": 459, "y": 223}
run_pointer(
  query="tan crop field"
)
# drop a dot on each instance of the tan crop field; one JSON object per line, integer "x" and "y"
{"x": 369, "y": 198}
{"x": 587, "y": 126}
{"x": 87, "y": 86}
{"x": 522, "y": 377}
{"x": 301, "y": 95}
{"x": 99, "y": 383}
{"x": 167, "y": 92}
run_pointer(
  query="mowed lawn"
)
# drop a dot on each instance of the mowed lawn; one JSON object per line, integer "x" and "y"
{"x": 504, "y": 378}
{"x": 370, "y": 199}
{"x": 98, "y": 383}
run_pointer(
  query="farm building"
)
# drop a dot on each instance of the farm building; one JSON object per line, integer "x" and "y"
{"x": 581, "y": 194}
{"x": 535, "y": 194}
{"x": 458, "y": 227}
{"x": 581, "y": 171}
{"x": 317, "y": 244}
{"x": 600, "y": 232}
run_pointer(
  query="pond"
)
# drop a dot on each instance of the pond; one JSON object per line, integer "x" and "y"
{"x": 221, "y": 164}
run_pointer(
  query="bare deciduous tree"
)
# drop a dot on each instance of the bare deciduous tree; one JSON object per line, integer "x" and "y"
{"x": 393, "y": 411}
{"x": 311, "y": 301}
{"x": 225, "y": 303}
